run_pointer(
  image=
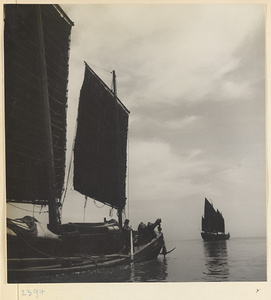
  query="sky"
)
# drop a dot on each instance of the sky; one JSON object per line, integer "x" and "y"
{"x": 193, "y": 77}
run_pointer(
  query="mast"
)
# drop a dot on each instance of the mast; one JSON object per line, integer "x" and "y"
{"x": 53, "y": 220}
{"x": 118, "y": 142}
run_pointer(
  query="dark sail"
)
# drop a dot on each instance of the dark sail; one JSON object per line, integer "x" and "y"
{"x": 100, "y": 144}
{"x": 219, "y": 222}
{"x": 203, "y": 224}
{"x": 210, "y": 215}
{"x": 29, "y": 32}
{"x": 212, "y": 224}
{"x": 213, "y": 220}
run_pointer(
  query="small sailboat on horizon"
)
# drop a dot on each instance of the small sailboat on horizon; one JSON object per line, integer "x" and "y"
{"x": 213, "y": 224}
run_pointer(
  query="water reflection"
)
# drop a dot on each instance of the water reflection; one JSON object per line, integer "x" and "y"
{"x": 216, "y": 257}
{"x": 151, "y": 271}
{"x": 155, "y": 270}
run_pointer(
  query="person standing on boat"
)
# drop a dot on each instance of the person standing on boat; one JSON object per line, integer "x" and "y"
{"x": 126, "y": 235}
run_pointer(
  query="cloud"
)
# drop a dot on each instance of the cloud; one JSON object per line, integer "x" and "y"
{"x": 193, "y": 78}
{"x": 175, "y": 51}
{"x": 182, "y": 123}
{"x": 154, "y": 168}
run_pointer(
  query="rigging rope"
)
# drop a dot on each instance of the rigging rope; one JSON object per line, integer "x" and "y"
{"x": 67, "y": 180}
{"x": 39, "y": 212}
{"x": 99, "y": 68}
{"x": 69, "y": 169}
{"x": 86, "y": 200}
{"x": 35, "y": 249}
{"x": 97, "y": 205}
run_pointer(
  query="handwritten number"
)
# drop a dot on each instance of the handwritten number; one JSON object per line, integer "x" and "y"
{"x": 35, "y": 291}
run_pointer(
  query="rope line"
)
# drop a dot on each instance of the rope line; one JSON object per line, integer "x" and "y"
{"x": 100, "y": 68}
{"x": 97, "y": 205}
{"x": 85, "y": 205}
{"x": 39, "y": 212}
{"x": 68, "y": 181}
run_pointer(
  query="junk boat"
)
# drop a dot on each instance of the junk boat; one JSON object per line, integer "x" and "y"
{"x": 213, "y": 225}
{"x": 36, "y": 49}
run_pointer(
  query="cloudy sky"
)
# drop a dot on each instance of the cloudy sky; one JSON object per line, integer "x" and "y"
{"x": 193, "y": 77}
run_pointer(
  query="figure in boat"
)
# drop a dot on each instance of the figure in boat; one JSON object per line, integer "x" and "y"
{"x": 145, "y": 233}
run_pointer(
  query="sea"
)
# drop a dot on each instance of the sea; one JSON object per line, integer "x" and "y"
{"x": 237, "y": 259}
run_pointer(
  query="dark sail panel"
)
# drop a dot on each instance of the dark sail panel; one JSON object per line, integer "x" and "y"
{"x": 213, "y": 225}
{"x": 208, "y": 209}
{"x": 210, "y": 215}
{"x": 26, "y": 163}
{"x": 220, "y": 227}
{"x": 100, "y": 145}
{"x": 203, "y": 224}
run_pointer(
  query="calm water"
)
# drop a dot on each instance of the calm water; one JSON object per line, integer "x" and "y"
{"x": 241, "y": 259}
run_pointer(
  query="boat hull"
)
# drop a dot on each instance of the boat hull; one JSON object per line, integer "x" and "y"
{"x": 33, "y": 269}
{"x": 150, "y": 250}
{"x": 93, "y": 244}
{"x": 88, "y": 238}
{"x": 210, "y": 236}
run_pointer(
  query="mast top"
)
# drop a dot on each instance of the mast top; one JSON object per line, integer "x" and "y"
{"x": 106, "y": 87}
{"x": 114, "y": 84}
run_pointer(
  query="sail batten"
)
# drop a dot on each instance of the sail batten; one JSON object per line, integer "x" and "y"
{"x": 25, "y": 121}
{"x": 100, "y": 145}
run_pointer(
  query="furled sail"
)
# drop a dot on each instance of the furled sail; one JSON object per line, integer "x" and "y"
{"x": 36, "y": 49}
{"x": 100, "y": 144}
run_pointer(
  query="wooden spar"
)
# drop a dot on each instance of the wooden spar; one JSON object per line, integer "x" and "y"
{"x": 53, "y": 220}
{"x": 114, "y": 84}
{"x": 118, "y": 142}
{"x": 131, "y": 245}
